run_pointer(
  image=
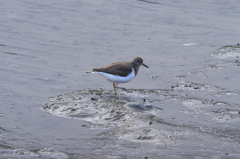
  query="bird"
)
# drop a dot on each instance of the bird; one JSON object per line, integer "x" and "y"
{"x": 120, "y": 72}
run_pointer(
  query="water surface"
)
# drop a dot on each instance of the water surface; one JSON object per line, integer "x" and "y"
{"x": 191, "y": 88}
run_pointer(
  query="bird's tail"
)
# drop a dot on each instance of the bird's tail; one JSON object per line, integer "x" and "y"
{"x": 88, "y": 71}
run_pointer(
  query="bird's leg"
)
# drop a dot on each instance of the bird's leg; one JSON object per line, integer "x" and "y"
{"x": 114, "y": 87}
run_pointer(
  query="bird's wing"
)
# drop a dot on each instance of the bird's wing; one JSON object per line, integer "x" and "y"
{"x": 116, "y": 68}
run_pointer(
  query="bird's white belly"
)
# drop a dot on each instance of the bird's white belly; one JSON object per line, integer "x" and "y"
{"x": 116, "y": 78}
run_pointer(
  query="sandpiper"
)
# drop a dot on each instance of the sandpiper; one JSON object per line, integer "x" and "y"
{"x": 120, "y": 72}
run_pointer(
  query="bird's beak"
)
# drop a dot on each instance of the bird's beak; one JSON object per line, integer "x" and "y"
{"x": 145, "y": 65}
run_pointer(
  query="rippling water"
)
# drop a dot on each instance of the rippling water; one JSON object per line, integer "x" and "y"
{"x": 186, "y": 105}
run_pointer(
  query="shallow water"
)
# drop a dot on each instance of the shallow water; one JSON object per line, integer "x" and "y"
{"x": 185, "y": 105}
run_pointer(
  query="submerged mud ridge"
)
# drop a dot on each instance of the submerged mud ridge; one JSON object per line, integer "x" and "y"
{"x": 102, "y": 108}
{"x": 198, "y": 114}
